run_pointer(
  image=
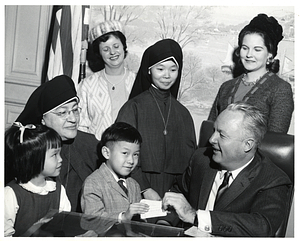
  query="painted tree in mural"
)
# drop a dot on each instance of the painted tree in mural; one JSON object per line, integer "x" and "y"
{"x": 192, "y": 73}
{"x": 126, "y": 15}
{"x": 184, "y": 24}
{"x": 123, "y": 13}
{"x": 181, "y": 23}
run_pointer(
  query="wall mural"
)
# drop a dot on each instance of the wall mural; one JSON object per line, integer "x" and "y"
{"x": 207, "y": 35}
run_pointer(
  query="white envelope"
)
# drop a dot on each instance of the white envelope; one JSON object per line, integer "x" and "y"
{"x": 155, "y": 209}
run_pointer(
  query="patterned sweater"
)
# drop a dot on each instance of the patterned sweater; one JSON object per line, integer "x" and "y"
{"x": 271, "y": 94}
{"x": 96, "y": 102}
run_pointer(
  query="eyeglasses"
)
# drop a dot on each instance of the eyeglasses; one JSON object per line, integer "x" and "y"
{"x": 65, "y": 114}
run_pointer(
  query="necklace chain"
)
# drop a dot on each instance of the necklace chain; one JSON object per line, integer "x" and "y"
{"x": 165, "y": 132}
{"x": 114, "y": 85}
{"x": 250, "y": 83}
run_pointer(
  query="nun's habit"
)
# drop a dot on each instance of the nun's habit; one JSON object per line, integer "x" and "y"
{"x": 79, "y": 155}
{"x": 166, "y": 126}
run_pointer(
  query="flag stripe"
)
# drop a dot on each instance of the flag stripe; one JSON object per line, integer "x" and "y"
{"x": 85, "y": 22}
{"x": 55, "y": 29}
{"x": 66, "y": 40}
{"x": 76, "y": 39}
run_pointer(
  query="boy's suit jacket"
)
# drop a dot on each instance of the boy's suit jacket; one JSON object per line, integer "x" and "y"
{"x": 102, "y": 195}
{"x": 253, "y": 205}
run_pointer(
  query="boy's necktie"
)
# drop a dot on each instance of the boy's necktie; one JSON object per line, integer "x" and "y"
{"x": 121, "y": 184}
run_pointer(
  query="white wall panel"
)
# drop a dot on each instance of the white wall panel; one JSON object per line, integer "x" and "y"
{"x": 26, "y": 32}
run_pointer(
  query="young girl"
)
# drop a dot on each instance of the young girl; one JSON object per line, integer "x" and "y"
{"x": 166, "y": 126}
{"x": 34, "y": 154}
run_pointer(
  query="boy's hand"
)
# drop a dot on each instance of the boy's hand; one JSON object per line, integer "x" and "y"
{"x": 135, "y": 208}
{"x": 151, "y": 195}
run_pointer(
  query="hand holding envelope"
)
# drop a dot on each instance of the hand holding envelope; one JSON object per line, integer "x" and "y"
{"x": 155, "y": 209}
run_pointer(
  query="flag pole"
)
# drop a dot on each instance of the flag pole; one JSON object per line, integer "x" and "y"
{"x": 84, "y": 41}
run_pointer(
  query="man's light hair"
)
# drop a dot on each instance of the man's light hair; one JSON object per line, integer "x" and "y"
{"x": 255, "y": 121}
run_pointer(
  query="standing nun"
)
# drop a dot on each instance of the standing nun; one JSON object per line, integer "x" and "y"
{"x": 166, "y": 126}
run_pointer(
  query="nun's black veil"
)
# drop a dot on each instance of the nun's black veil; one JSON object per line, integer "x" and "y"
{"x": 161, "y": 50}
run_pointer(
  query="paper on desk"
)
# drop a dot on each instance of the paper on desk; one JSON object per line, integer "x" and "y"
{"x": 155, "y": 209}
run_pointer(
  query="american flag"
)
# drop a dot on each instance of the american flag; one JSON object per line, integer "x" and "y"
{"x": 68, "y": 36}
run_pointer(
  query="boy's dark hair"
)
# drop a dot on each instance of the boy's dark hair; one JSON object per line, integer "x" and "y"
{"x": 120, "y": 131}
{"x": 26, "y": 160}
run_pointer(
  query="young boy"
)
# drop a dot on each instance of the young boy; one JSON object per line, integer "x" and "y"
{"x": 102, "y": 194}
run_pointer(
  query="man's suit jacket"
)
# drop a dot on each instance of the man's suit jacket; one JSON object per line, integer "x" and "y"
{"x": 102, "y": 195}
{"x": 253, "y": 205}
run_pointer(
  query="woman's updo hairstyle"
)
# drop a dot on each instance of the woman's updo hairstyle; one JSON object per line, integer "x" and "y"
{"x": 271, "y": 32}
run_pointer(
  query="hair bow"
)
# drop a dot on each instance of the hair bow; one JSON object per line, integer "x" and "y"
{"x": 22, "y": 128}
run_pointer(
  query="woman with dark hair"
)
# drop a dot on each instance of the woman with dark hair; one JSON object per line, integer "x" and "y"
{"x": 166, "y": 126}
{"x": 259, "y": 85}
{"x": 103, "y": 93}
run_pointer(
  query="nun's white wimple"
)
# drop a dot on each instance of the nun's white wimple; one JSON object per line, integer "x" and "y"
{"x": 164, "y": 61}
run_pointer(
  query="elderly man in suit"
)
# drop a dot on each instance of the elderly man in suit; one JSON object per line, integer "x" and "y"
{"x": 231, "y": 188}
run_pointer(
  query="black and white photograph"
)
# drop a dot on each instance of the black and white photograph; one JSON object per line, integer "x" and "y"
{"x": 149, "y": 120}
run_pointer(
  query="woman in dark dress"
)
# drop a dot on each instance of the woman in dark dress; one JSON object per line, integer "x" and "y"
{"x": 166, "y": 126}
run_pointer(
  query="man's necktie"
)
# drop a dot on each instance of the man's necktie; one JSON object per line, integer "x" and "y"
{"x": 224, "y": 185}
{"x": 121, "y": 184}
